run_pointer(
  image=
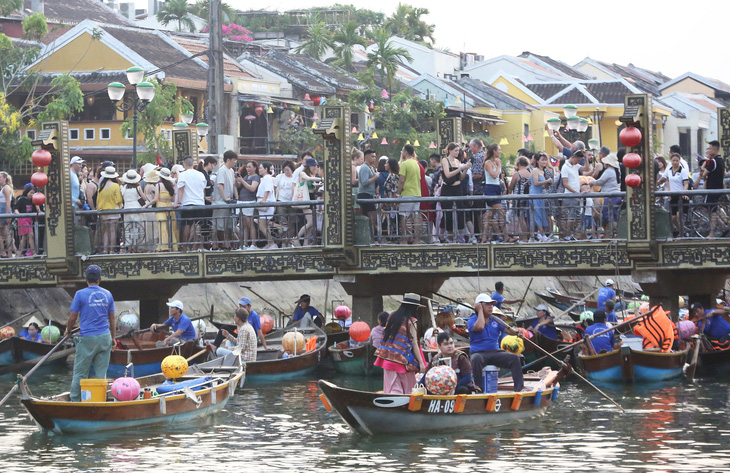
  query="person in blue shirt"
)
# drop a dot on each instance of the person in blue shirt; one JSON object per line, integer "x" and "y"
{"x": 93, "y": 307}
{"x": 304, "y": 309}
{"x": 601, "y": 343}
{"x": 253, "y": 319}
{"x": 182, "y": 327}
{"x": 499, "y": 299}
{"x": 605, "y": 293}
{"x": 716, "y": 326}
{"x": 611, "y": 316}
{"x": 544, "y": 323}
{"x": 32, "y": 332}
{"x": 484, "y": 333}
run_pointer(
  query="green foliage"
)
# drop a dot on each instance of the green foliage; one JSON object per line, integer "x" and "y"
{"x": 406, "y": 23}
{"x": 386, "y": 57}
{"x": 35, "y": 27}
{"x": 201, "y": 9}
{"x": 345, "y": 38}
{"x": 293, "y": 141}
{"x": 166, "y": 104}
{"x": 319, "y": 40}
{"x": 66, "y": 100}
{"x": 9, "y": 6}
{"x": 176, "y": 11}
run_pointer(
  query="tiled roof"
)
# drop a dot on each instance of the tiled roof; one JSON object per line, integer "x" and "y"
{"x": 574, "y": 96}
{"x": 496, "y": 97}
{"x": 552, "y": 63}
{"x": 230, "y": 67}
{"x": 335, "y": 77}
{"x": 75, "y": 11}
{"x": 545, "y": 91}
{"x": 274, "y": 62}
{"x": 608, "y": 92}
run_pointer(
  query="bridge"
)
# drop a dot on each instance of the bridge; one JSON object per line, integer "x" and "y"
{"x": 643, "y": 247}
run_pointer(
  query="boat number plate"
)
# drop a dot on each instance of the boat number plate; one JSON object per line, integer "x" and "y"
{"x": 437, "y": 406}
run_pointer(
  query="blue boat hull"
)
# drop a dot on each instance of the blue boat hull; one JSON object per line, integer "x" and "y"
{"x": 638, "y": 366}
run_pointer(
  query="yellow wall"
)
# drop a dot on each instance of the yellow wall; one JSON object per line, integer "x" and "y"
{"x": 513, "y": 90}
{"x": 83, "y": 54}
{"x": 689, "y": 86}
{"x": 512, "y": 130}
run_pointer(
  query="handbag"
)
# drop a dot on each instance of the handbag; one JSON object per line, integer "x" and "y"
{"x": 301, "y": 194}
{"x": 418, "y": 389}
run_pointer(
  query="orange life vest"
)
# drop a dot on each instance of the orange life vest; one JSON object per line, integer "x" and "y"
{"x": 657, "y": 330}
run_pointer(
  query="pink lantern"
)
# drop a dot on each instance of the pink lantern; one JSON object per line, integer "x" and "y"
{"x": 432, "y": 145}
{"x": 39, "y": 198}
{"x": 306, "y": 97}
{"x": 249, "y": 118}
{"x": 259, "y": 110}
{"x": 524, "y": 139}
{"x": 315, "y": 116}
{"x": 384, "y": 142}
{"x": 385, "y": 94}
{"x": 632, "y": 180}
{"x": 317, "y": 100}
{"x": 529, "y": 137}
{"x": 354, "y": 130}
{"x": 125, "y": 389}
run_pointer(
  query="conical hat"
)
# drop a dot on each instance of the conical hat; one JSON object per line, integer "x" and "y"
{"x": 40, "y": 323}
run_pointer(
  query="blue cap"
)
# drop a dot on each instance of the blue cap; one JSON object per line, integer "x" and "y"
{"x": 93, "y": 272}
{"x": 310, "y": 162}
{"x": 27, "y": 185}
{"x": 244, "y": 301}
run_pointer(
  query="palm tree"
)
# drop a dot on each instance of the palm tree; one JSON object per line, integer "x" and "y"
{"x": 386, "y": 57}
{"x": 319, "y": 40}
{"x": 346, "y": 38}
{"x": 398, "y": 23}
{"x": 176, "y": 10}
{"x": 418, "y": 28}
{"x": 201, "y": 9}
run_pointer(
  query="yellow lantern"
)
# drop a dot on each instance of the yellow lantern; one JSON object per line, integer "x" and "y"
{"x": 174, "y": 366}
{"x": 293, "y": 342}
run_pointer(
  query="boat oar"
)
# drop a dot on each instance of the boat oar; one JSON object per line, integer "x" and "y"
{"x": 19, "y": 318}
{"x": 282, "y": 314}
{"x": 22, "y": 379}
{"x": 523, "y": 298}
{"x": 591, "y": 337}
{"x": 575, "y": 304}
{"x": 196, "y": 355}
{"x": 561, "y": 363}
{"x": 695, "y": 354}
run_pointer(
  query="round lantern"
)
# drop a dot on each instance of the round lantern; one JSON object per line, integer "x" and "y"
{"x": 316, "y": 101}
{"x": 50, "y": 334}
{"x": 586, "y": 315}
{"x": 200, "y": 328}
{"x": 293, "y": 342}
{"x": 441, "y": 380}
{"x": 128, "y": 322}
{"x": 342, "y": 312}
{"x": 359, "y": 331}
{"x": 7, "y": 332}
{"x": 39, "y": 179}
{"x": 512, "y": 344}
{"x": 174, "y": 366}
{"x": 125, "y": 389}
{"x": 267, "y": 323}
{"x": 633, "y": 180}
{"x": 685, "y": 329}
{"x": 41, "y": 157}
{"x": 681, "y": 302}
{"x": 39, "y": 198}
{"x": 259, "y": 110}
{"x": 630, "y": 136}
{"x": 632, "y": 160}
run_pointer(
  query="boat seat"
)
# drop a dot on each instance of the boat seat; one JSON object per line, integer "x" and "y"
{"x": 196, "y": 383}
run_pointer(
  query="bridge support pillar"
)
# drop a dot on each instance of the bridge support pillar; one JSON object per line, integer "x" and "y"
{"x": 152, "y": 311}
{"x": 665, "y": 287}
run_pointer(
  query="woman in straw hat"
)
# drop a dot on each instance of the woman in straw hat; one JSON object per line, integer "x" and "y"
{"x": 132, "y": 195}
{"x": 399, "y": 353}
{"x": 109, "y": 197}
{"x": 163, "y": 198}
{"x": 150, "y": 178}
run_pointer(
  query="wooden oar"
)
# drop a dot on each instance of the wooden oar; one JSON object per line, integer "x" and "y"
{"x": 561, "y": 363}
{"x": 576, "y": 304}
{"x": 196, "y": 355}
{"x": 695, "y": 354}
{"x": 19, "y": 318}
{"x": 22, "y": 379}
{"x": 523, "y": 298}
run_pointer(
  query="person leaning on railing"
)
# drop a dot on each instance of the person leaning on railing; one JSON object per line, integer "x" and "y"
{"x": 109, "y": 197}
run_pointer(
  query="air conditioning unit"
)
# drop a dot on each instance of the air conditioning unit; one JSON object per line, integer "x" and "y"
{"x": 127, "y": 10}
{"x": 479, "y": 58}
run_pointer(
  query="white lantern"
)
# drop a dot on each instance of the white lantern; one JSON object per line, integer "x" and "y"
{"x": 187, "y": 118}
{"x": 574, "y": 122}
{"x": 135, "y": 75}
{"x": 202, "y": 129}
{"x": 115, "y": 91}
{"x": 145, "y": 91}
{"x": 554, "y": 124}
{"x": 570, "y": 111}
{"x": 583, "y": 125}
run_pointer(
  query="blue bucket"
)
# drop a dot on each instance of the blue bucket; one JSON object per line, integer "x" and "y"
{"x": 490, "y": 379}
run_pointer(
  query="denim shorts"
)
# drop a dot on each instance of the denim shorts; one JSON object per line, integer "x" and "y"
{"x": 493, "y": 189}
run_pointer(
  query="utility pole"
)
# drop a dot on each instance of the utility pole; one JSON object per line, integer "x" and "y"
{"x": 216, "y": 116}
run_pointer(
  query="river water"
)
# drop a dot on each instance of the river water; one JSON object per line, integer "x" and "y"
{"x": 283, "y": 427}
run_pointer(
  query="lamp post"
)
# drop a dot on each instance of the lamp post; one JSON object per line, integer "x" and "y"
{"x": 575, "y": 123}
{"x": 145, "y": 94}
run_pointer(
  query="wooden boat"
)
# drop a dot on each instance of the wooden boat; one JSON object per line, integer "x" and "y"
{"x": 548, "y": 344}
{"x": 270, "y": 365}
{"x": 372, "y": 413}
{"x": 713, "y": 362}
{"x": 18, "y": 353}
{"x": 141, "y": 350}
{"x": 59, "y": 415}
{"x": 563, "y": 302}
{"x": 629, "y": 365}
{"x": 355, "y": 361}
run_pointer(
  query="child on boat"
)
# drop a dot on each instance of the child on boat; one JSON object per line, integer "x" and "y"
{"x": 456, "y": 359}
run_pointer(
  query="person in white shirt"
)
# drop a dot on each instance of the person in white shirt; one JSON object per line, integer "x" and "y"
{"x": 284, "y": 189}
{"x": 570, "y": 175}
{"x": 191, "y": 192}
{"x": 677, "y": 178}
{"x": 264, "y": 194}
{"x": 224, "y": 193}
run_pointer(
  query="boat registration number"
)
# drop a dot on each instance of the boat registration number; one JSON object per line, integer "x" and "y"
{"x": 437, "y": 406}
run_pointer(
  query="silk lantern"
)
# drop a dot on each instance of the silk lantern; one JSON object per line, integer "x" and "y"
{"x": 359, "y": 331}
{"x": 630, "y": 136}
{"x": 39, "y": 179}
{"x": 39, "y": 198}
{"x": 632, "y": 160}
{"x": 633, "y": 180}
{"x": 267, "y": 323}
{"x": 41, "y": 157}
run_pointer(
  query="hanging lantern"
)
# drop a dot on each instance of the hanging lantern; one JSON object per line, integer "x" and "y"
{"x": 631, "y": 160}
{"x": 633, "y": 180}
{"x": 360, "y": 137}
{"x": 446, "y": 102}
{"x": 432, "y": 145}
{"x": 384, "y": 93}
{"x": 371, "y": 106}
{"x": 317, "y": 101}
{"x": 259, "y": 110}
{"x": 582, "y": 125}
{"x": 315, "y": 116}
{"x": 374, "y": 135}
{"x": 574, "y": 122}
{"x": 416, "y": 143}
{"x": 524, "y": 139}
{"x": 314, "y": 125}
{"x": 384, "y": 142}
{"x": 593, "y": 143}
{"x": 41, "y": 157}
{"x": 39, "y": 179}
{"x": 630, "y": 136}
{"x": 354, "y": 130}
{"x": 306, "y": 97}
{"x": 554, "y": 124}
{"x": 408, "y": 142}
{"x": 503, "y": 142}
{"x": 458, "y": 99}
{"x": 529, "y": 137}
{"x": 269, "y": 110}
{"x": 39, "y": 198}
{"x": 250, "y": 118}
{"x": 546, "y": 135}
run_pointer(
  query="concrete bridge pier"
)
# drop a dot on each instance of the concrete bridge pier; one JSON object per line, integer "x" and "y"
{"x": 152, "y": 297}
{"x": 367, "y": 293}
{"x": 665, "y": 287}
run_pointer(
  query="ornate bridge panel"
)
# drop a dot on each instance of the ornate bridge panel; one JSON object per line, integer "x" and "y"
{"x": 714, "y": 254}
{"x": 20, "y": 273}
{"x": 266, "y": 264}
{"x": 449, "y": 130}
{"x": 184, "y": 143}
{"x": 155, "y": 266}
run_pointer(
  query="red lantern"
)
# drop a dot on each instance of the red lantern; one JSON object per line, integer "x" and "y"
{"x": 317, "y": 100}
{"x": 342, "y": 312}
{"x": 41, "y": 157}
{"x": 632, "y": 160}
{"x": 267, "y": 323}
{"x": 39, "y": 198}
{"x": 259, "y": 110}
{"x": 633, "y": 180}
{"x": 39, "y": 179}
{"x": 630, "y": 136}
{"x": 359, "y": 331}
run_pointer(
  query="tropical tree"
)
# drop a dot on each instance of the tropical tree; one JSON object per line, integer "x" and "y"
{"x": 346, "y": 38}
{"x": 406, "y": 22}
{"x": 319, "y": 40}
{"x": 201, "y": 9}
{"x": 397, "y": 25}
{"x": 386, "y": 56}
{"x": 9, "y": 6}
{"x": 176, "y": 11}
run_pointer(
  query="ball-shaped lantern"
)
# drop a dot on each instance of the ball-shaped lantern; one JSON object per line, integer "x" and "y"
{"x": 633, "y": 180}
{"x": 174, "y": 366}
{"x": 441, "y": 380}
{"x": 200, "y": 328}
{"x": 50, "y": 334}
{"x": 267, "y": 323}
{"x": 685, "y": 329}
{"x": 342, "y": 312}
{"x": 7, "y": 332}
{"x": 586, "y": 315}
{"x": 39, "y": 179}
{"x": 293, "y": 342}
{"x": 41, "y": 157}
{"x": 125, "y": 389}
{"x": 39, "y": 198}
{"x": 525, "y": 333}
{"x": 512, "y": 344}
{"x": 128, "y": 322}
{"x": 359, "y": 331}
{"x": 632, "y": 160}
{"x": 630, "y": 136}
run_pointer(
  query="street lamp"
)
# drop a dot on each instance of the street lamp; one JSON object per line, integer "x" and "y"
{"x": 145, "y": 94}
{"x": 202, "y": 129}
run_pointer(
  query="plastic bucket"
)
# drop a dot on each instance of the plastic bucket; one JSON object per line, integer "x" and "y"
{"x": 490, "y": 379}
{"x": 634, "y": 342}
{"x": 93, "y": 390}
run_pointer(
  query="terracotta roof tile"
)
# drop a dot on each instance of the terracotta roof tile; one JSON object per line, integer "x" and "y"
{"x": 75, "y": 11}
{"x": 230, "y": 67}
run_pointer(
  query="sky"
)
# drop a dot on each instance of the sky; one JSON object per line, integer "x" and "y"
{"x": 669, "y": 36}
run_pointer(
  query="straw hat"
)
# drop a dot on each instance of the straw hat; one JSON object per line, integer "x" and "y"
{"x": 164, "y": 173}
{"x": 109, "y": 173}
{"x": 412, "y": 298}
{"x": 131, "y": 177}
{"x": 611, "y": 160}
{"x": 149, "y": 173}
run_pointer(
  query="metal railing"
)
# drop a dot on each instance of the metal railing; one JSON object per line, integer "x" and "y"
{"x": 22, "y": 235}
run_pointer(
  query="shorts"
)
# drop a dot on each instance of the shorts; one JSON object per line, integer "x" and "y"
{"x": 366, "y": 208}
{"x": 192, "y": 216}
{"x": 246, "y": 211}
{"x": 408, "y": 208}
{"x": 493, "y": 189}
{"x": 711, "y": 202}
{"x": 25, "y": 226}
{"x": 675, "y": 202}
{"x": 571, "y": 209}
{"x": 265, "y": 212}
{"x": 612, "y": 203}
{"x": 222, "y": 219}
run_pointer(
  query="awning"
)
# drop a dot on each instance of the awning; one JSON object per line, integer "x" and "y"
{"x": 255, "y": 98}
{"x": 476, "y": 116}
{"x": 292, "y": 102}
